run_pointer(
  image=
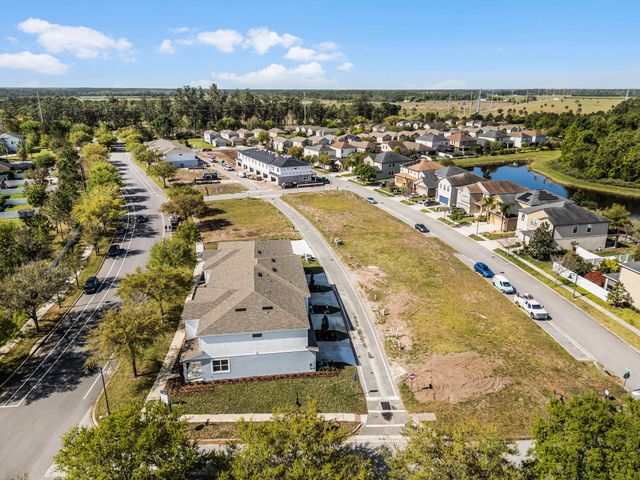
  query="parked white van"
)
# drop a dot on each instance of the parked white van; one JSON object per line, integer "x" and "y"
{"x": 502, "y": 284}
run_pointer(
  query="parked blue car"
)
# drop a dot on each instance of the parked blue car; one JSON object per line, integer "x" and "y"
{"x": 483, "y": 270}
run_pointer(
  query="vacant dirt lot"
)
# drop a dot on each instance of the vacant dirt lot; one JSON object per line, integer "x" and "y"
{"x": 483, "y": 358}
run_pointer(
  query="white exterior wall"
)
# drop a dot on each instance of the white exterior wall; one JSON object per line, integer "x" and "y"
{"x": 268, "y": 170}
{"x": 182, "y": 160}
{"x": 344, "y": 152}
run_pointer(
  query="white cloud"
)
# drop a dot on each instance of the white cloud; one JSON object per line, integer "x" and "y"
{"x": 327, "y": 46}
{"x": 448, "y": 84}
{"x": 303, "y": 54}
{"x": 11, "y": 40}
{"x": 262, "y": 39}
{"x": 306, "y": 75}
{"x": 83, "y": 42}
{"x": 185, "y": 41}
{"x": 203, "y": 83}
{"x": 40, "y": 63}
{"x": 166, "y": 47}
{"x": 346, "y": 66}
{"x": 180, "y": 30}
{"x": 224, "y": 40}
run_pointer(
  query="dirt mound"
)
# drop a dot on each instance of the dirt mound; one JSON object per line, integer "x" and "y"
{"x": 455, "y": 377}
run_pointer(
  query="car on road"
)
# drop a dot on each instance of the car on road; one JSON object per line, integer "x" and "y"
{"x": 504, "y": 285}
{"x": 91, "y": 285}
{"x": 371, "y": 200}
{"x": 121, "y": 230}
{"x": 113, "y": 251}
{"x": 242, "y": 175}
{"x": 141, "y": 219}
{"x": 228, "y": 168}
{"x": 421, "y": 228}
{"x": 532, "y": 307}
{"x": 483, "y": 269}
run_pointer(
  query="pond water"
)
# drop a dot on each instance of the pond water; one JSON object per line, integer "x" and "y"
{"x": 521, "y": 175}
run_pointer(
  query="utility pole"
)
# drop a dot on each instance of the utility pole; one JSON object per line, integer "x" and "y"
{"x": 449, "y": 107}
{"x": 40, "y": 107}
{"x": 104, "y": 389}
{"x": 627, "y": 95}
{"x": 304, "y": 107}
{"x": 478, "y": 106}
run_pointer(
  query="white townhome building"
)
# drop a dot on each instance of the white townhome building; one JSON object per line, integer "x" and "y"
{"x": 250, "y": 316}
{"x": 179, "y": 155}
{"x": 274, "y": 167}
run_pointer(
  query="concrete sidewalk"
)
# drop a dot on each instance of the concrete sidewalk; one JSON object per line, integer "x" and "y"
{"x": 265, "y": 417}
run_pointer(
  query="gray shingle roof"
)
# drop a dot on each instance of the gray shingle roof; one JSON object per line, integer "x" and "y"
{"x": 391, "y": 157}
{"x": 566, "y": 213}
{"x": 252, "y": 287}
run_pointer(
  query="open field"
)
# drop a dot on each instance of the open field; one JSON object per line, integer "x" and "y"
{"x": 221, "y": 188}
{"x": 334, "y": 394}
{"x": 198, "y": 143}
{"x": 244, "y": 219}
{"x": 547, "y": 168}
{"x": 484, "y": 358}
{"x": 545, "y": 104}
{"x": 506, "y": 159}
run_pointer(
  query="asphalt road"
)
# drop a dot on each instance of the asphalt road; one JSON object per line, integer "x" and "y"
{"x": 52, "y": 391}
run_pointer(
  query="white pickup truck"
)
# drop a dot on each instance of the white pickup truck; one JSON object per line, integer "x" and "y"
{"x": 531, "y": 306}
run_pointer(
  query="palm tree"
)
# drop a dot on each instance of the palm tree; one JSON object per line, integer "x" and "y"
{"x": 488, "y": 204}
{"x": 505, "y": 211}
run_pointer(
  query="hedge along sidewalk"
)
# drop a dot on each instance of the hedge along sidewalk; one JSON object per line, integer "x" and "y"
{"x": 569, "y": 288}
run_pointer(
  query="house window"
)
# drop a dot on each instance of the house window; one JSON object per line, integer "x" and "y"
{"x": 575, "y": 229}
{"x": 522, "y": 216}
{"x": 589, "y": 228}
{"x": 256, "y": 335}
{"x": 220, "y": 366}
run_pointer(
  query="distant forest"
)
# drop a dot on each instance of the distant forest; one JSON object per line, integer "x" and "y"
{"x": 340, "y": 95}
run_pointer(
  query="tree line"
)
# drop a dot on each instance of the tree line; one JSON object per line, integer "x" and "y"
{"x": 587, "y": 437}
{"x": 604, "y": 146}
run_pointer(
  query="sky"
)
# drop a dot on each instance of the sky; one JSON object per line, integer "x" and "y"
{"x": 316, "y": 45}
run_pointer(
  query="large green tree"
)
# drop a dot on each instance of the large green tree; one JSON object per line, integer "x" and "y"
{"x": 165, "y": 286}
{"x": 102, "y": 204}
{"x": 588, "y": 437}
{"x": 129, "y": 445}
{"x": 165, "y": 170}
{"x": 541, "y": 244}
{"x": 185, "y": 202}
{"x": 452, "y": 454}
{"x": 125, "y": 331}
{"x": 296, "y": 444}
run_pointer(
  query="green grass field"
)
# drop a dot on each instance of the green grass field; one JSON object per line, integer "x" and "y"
{"x": 335, "y": 394}
{"x": 221, "y": 188}
{"x": 244, "y": 219}
{"x": 547, "y": 168}
{"x": 198, "y": 143}
{"x": 445, "y": 311}
{"x": 506, "y": 159}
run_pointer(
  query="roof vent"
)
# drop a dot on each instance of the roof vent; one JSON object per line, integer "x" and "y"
{"x": 274, "y": 269}
{"x": 268, "y": 307}
{"x": 241, "y": 309}
{"x": 259, "y": 274}
{"x": 273, "y": 260}
{"x": 259, "y": 252}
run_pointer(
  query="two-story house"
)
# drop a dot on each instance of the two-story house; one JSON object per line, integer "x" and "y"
{"x": 471, "y": 197}
{"x": 274, "y": 167}
{"x": 210, "y": 135}
{"x": 343, "y": 149}
{"x": 387, "y": 164}
{"x": 569, "y": 223}
{"x": 316, "y": 150}
{"x": 450, "y": 179}
{"x": 433, "y": 141}
{"x": 249, "y": 316}
{"x": 461, "y": 142}
{"x": 418, "y": 177}
{"x": 11, "y": 141}
{"x": 281, "y": 143}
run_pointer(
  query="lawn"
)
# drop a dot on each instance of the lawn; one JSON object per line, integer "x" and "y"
{"x": 334, "y": 394}
{"x": 632, "y": 317}
{"x": 244, "y": 219}
{"x": 548, "y": 168}
{"x": 221, "y": 188}
{"x": 485, "y": 359}
{"x": 198, "y": 143}
{"x": 506, "y": 159}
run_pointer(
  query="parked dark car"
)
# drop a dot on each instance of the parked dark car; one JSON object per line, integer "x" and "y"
{"x": 483, "y": 270}
{"x": 121, "y": 230}
{"x": 91, "y": 285}
{"x": 114, "y": 250}
{"x": 141, "y": 219}
{"x": 421, "y": 228}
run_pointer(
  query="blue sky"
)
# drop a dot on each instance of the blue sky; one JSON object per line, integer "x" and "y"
{"x": 336, "y": 44}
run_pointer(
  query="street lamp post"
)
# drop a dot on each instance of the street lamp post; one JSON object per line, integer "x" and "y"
{"x": 104, "y": 390}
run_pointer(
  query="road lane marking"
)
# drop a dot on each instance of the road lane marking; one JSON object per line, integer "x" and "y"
{"x": 90, "y": 303}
